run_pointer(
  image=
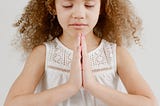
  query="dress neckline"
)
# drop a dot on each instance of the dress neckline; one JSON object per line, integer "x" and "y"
{"x": 69, "y": 50}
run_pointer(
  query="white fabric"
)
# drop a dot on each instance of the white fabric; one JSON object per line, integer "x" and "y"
{"x": 58, "y": 64}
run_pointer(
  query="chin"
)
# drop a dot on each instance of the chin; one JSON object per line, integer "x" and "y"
{"x": 77, "y": 32}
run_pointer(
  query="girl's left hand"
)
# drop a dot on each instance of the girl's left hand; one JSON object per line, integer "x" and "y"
{"x": 88, "y": 79}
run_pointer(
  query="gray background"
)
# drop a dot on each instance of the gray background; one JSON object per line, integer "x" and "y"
{"x": 147, "y": 59}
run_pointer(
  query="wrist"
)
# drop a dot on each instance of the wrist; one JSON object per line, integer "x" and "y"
{"x": 91, "y": 87}
{"x": 72, "y": 87}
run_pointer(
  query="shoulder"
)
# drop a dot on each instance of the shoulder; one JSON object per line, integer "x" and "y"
{"x": 37, "y": 56}
{"x": 121, "y": 52}
{"x": 124, "y": 58}
{"x": 38, "y": 51}
{"x": 35, "y": 63}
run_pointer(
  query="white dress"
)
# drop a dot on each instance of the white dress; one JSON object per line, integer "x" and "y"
{"x": 58, "y": 64}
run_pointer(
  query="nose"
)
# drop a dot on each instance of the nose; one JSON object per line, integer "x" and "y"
{"x": 78, "y": 12}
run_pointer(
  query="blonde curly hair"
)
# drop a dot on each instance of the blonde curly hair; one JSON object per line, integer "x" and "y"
{"x": 117, "y": 23}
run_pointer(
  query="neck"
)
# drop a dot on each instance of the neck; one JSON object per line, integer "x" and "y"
{"x": 92, "y": 41}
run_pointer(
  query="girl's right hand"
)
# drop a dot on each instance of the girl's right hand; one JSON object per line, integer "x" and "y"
{"x": 75, "y": 79}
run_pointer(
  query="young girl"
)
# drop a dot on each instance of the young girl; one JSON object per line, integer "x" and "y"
{"x": 77, "y": 56}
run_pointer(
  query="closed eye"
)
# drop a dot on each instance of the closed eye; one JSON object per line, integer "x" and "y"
{"x": 89, "y": 6}
{"x": 67, "y": 6}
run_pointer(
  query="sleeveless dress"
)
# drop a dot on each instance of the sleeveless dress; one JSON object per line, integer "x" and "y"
{"x": 58, "y": 64}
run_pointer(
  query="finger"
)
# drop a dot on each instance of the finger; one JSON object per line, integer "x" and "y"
{"x": 84, "y": 46}
{"x": 76, "y": 54}
{"x": 80, "y": 48}
{"x": 84, "y": 51}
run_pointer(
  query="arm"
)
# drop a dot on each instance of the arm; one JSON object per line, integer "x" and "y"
{"x": 22, "y": 91}
{"x": 139, "y": 93}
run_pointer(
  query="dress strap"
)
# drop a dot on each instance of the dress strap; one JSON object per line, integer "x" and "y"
{"x": 47, "y": 52}
{"x": 114, "y": 50}
{"x": 110, "y": 52}
{"x": 50, "y": 48}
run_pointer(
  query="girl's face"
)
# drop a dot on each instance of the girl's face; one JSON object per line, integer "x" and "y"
{"x": 77, "y": 16}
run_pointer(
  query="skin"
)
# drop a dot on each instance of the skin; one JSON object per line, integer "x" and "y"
{"x": 82, "y": 40}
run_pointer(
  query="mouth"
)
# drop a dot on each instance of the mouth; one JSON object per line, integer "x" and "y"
{"x": 78, "y": 25}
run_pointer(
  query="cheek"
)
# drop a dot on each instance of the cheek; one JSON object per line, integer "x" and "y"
{"x": 94, "y": 14}
{"x": 94, "y": 17}
{"x": 60, "y": 15}
{"x": 61, "y": 21}
{"x": 62, "y": 18}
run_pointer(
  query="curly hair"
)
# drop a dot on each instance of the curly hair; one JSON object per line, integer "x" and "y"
{"x": 117, "y": 23}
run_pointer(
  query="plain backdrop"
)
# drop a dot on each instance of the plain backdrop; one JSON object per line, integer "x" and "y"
{"x": 147, "y": 59}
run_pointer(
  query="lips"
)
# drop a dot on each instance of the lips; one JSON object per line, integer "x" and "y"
{"x": 78, "y": 25}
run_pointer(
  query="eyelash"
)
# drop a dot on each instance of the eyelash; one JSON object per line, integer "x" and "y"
{"x": 88, "y": 6}
{"x": 67, "y": 6}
